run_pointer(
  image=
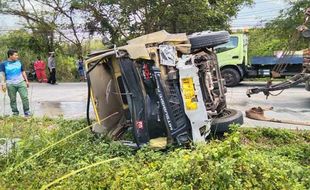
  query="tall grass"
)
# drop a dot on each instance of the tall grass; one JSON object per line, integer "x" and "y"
{"x": 245, "y": 159}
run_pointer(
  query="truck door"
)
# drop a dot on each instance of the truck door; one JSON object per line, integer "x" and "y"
{"x": 230, "y": 57}
{"x": 230, "y": 53}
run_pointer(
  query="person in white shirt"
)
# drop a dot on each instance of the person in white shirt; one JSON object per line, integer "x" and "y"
{"x": 51, "y": 63}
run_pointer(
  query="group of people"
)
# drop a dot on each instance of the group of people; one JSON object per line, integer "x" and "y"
{"x": 39, "y": 67}
{"x": 13, "y": 77}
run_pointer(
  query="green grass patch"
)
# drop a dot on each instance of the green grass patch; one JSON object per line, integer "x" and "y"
{"x": 245, "y": 159}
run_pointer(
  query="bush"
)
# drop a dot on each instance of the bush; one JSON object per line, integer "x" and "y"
{"x": 245, "y": 159}
{"x": 65, "y": 68}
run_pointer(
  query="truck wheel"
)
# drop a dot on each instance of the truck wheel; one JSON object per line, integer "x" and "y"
{"x": 226, "y": 118}
{"x": 231, "y": 76}
{"x": 208, "y": 39}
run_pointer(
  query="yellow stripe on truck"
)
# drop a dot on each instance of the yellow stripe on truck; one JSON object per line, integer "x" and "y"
{"x": 189, "y": 94}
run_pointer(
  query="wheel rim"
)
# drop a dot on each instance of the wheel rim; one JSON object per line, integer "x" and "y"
{"x": 227, "y": 113}
{"x": 228, "y": 77}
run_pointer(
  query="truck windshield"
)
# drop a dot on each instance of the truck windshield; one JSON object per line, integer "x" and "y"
{"x": 233, "y": 43}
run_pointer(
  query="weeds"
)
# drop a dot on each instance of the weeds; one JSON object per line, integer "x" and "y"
{"x": 245, "y": 159}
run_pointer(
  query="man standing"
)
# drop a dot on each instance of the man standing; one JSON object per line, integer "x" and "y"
{"x": 51, "y": 63}
{"x": 13, "y": 78}
{"x": 80, "y": 67}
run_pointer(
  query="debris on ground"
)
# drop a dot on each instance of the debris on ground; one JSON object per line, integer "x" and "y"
{"x": 257, "y": 113}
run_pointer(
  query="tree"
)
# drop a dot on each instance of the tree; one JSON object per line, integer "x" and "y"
{"x": 280, "y": 33}
{"x": 262, "y": 42}
{"x": 282, "y": 30}
{"x": 23, "y": 41}
{"x": 123, "y": 19}
{"x": 45, "y": 18}
{"x": 197, "y": 15}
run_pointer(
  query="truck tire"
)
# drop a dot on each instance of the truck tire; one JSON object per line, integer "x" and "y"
{"x": 232, "y": 77}
{"x": 228, "y": 117}
{"x": 208, "y": 39}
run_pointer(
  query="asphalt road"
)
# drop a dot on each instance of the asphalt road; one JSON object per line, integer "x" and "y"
{"x": 69, "y": 100}
{"x": 292, "y": 104}
{"x": 65, "y": 99}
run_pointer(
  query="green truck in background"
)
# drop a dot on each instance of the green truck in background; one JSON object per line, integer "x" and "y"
{"x": 235, "y": 64}
{"x": 233, "y": 58}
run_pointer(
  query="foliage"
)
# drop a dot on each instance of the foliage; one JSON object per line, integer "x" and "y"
{"x": 87, "y": 45}
{"x": 284, "y": 26}
{"x": 51, "y": 21}
{"x": 23, "y": 42}
{"x": 262, "y": 42}
{"x": 66, "y": 67}
{"x": 59, "y": 25}
{"x": 93, "y": 45}
{"x": 280, "y": 33}
{"x": 28, "y": 51}
{"x": 121, "y": 19}
{"x": 245, "y": 159}
{"x": 48, "y": 19}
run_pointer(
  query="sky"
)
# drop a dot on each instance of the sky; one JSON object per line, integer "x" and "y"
{"x": 9, "y": 22}
{"x": 248, "y": 17}
{"x": 261, "y": 12}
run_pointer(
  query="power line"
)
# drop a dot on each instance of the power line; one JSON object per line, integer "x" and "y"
{"x": 275, "y": 11}
{"x": 255, "y": 18}
{"x": 266, "y": 1}
{"x": 258, "y": 11}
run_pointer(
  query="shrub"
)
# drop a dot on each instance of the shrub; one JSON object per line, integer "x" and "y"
{"x": 245, "y": 159}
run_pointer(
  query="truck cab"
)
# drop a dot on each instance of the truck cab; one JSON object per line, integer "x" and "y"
{"x": 233, "y": 61}
{"x": 232, "y": 57}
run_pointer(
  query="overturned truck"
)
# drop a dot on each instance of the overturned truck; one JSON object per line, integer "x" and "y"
{"x": 161, "y": 85}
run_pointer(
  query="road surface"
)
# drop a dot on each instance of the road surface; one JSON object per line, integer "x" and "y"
{"x": 69, "y": 100}
{"x": 65, "y": 99}
{"x": 292, "y": 104}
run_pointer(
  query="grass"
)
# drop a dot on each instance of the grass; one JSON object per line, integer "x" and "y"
{"x": 2, "y": 141}
{"x": 245, "y": 159}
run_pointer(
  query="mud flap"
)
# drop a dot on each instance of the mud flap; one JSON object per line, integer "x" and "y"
{"x": 136, "y": 101}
